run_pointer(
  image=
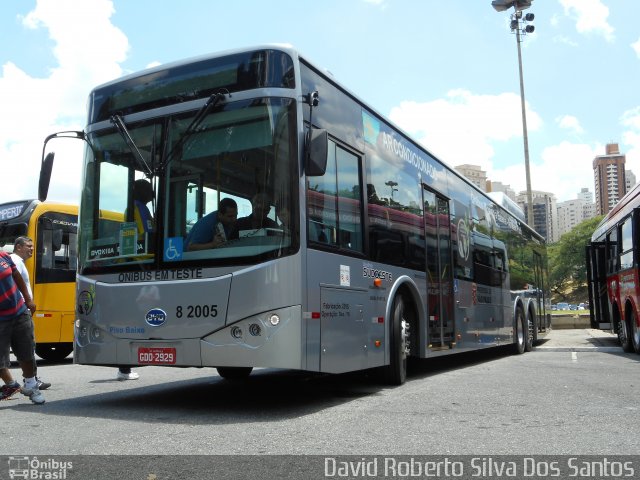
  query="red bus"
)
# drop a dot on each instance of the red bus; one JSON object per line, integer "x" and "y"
{"x": 613, "y": 257}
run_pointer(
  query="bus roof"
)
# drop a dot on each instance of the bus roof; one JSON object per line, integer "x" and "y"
{"x": 297, "y": 55}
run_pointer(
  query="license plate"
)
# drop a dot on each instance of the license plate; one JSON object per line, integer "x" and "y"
{"x": 156, "y": 355}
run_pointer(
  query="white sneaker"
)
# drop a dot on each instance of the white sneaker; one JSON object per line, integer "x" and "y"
{"x": 127, "y": 376}
{"x": 34, "y": 394}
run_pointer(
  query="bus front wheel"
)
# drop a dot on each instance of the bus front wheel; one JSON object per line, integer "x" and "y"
{"x": 624, "y": 335}
{"x": 634, "y": 330}
{"x": 396, "y": 371}
{"x": 54, "y": 352}
{"x": 234, "y": 373}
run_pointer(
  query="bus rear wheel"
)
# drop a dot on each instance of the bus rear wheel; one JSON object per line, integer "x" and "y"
{"x": 521, "y": 332}
{"x": 234, "y": 373}
{"x": 54, "y": 352}
{"x": 532, "y": 334}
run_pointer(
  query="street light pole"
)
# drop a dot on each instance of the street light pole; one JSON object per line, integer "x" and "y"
{"x": 525, "y": 136}
{"x": 518, "y": 6}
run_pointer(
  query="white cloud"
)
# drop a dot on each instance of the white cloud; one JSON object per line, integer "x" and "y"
{"x": 564, "y": 170}
{"x": 570, "y": 122}
{"x": 636, "y": 47}
{"x": 590, "y": 16}
{"x": 462, "y": 127}
{"x": 564, "y": 40}
{"x": 631, "y": 139}
{"x": 87, "y": 51}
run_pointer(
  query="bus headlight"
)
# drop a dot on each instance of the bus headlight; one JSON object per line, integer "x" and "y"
{"x": 274, "y": 319}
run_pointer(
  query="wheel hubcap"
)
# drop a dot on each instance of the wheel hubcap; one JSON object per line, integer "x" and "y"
{"x": 405, "y": 336}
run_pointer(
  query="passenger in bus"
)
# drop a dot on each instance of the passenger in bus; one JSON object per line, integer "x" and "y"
{"x": 23, "y": 251}
{"x": 260, "y": 208}
{"x": 16, "y": 331}
{"x": 214, "y": 229}
{"x": 284, "y": 215}
{"x": 142, "y": 195}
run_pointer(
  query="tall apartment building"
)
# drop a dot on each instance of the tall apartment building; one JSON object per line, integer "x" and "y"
{"x": 474, "y": 174}
{"x": 545, "y": 213}
{"x": 630, "y": 180}
{"x": 573, "y": 212}
{"x": 609, "y": 178}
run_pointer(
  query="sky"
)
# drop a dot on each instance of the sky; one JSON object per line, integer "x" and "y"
{"x": 446, "y": 72}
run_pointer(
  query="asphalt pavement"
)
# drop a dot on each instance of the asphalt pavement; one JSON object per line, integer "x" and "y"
{"x": 579, "y": 340}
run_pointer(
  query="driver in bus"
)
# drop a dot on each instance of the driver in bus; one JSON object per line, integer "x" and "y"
{"x": 214, "y": 229}
{"x": 142, "y": 195}
{"x": 258, "y": 219}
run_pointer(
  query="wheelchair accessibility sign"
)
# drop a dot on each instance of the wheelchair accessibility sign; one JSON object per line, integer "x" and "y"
{"x": 173, "y": 248}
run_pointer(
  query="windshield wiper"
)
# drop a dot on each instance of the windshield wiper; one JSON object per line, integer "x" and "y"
{"x": 126, "y": 136}
{"x": 211, "y": 102}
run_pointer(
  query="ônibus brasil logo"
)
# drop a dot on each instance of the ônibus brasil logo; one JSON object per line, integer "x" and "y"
{"x": 26, "y": 467}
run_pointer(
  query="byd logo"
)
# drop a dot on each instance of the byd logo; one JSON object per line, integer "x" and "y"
{"x": 155, "y": 317}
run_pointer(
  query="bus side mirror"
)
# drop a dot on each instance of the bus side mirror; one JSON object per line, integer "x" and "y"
{"x": 45, "y": 176}
{"x": 317, "y": 151}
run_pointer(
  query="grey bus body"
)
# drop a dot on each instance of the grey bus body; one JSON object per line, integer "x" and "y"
{"x": 385, "y": 252}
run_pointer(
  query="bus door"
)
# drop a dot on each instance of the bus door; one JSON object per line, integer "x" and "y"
{"x": 439, "y": 271}
{"x": 597, "y": 283}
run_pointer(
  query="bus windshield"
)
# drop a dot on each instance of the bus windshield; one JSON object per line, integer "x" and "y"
{"x": 244, "y": 150}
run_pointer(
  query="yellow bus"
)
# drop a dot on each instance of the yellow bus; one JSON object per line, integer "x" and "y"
{"x": 52, "y": 268}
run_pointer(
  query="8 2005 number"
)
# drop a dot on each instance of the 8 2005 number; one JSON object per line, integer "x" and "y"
{"x": 196, "y": 311}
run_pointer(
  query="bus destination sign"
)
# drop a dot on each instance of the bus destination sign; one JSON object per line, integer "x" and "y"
{"x": 11, "y": 210}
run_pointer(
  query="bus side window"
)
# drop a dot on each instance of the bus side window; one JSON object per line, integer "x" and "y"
{"x": 47, "y": 249}
{"x": 612, "y": 251}
{"x": 55, "y": 248}
{"x": 334, "y": 205}
{"x": 317, "y": 232}
{"x": 626, "y": 248}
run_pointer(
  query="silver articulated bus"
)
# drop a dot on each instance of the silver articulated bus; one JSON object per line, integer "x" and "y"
{"x": 369, "y": 249}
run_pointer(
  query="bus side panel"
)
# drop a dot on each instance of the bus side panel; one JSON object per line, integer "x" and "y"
{"x": 352, "y": 311}
{"x": 54, "y": 316}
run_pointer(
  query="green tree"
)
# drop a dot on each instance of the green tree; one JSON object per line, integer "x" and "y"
{"x": 567, "y": 260}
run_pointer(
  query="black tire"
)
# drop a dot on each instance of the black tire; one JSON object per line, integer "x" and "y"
{"x": 634, "y": 331}
{"x": 54, "y": 352}
{"x": 396, "y": 372}
{"x": 521, "y": 332}
{"x": 624, "y": 336}
{"x": 234, "y": 373}
{"x": 534, "y": 330}
{"x": 531, "y": 334}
